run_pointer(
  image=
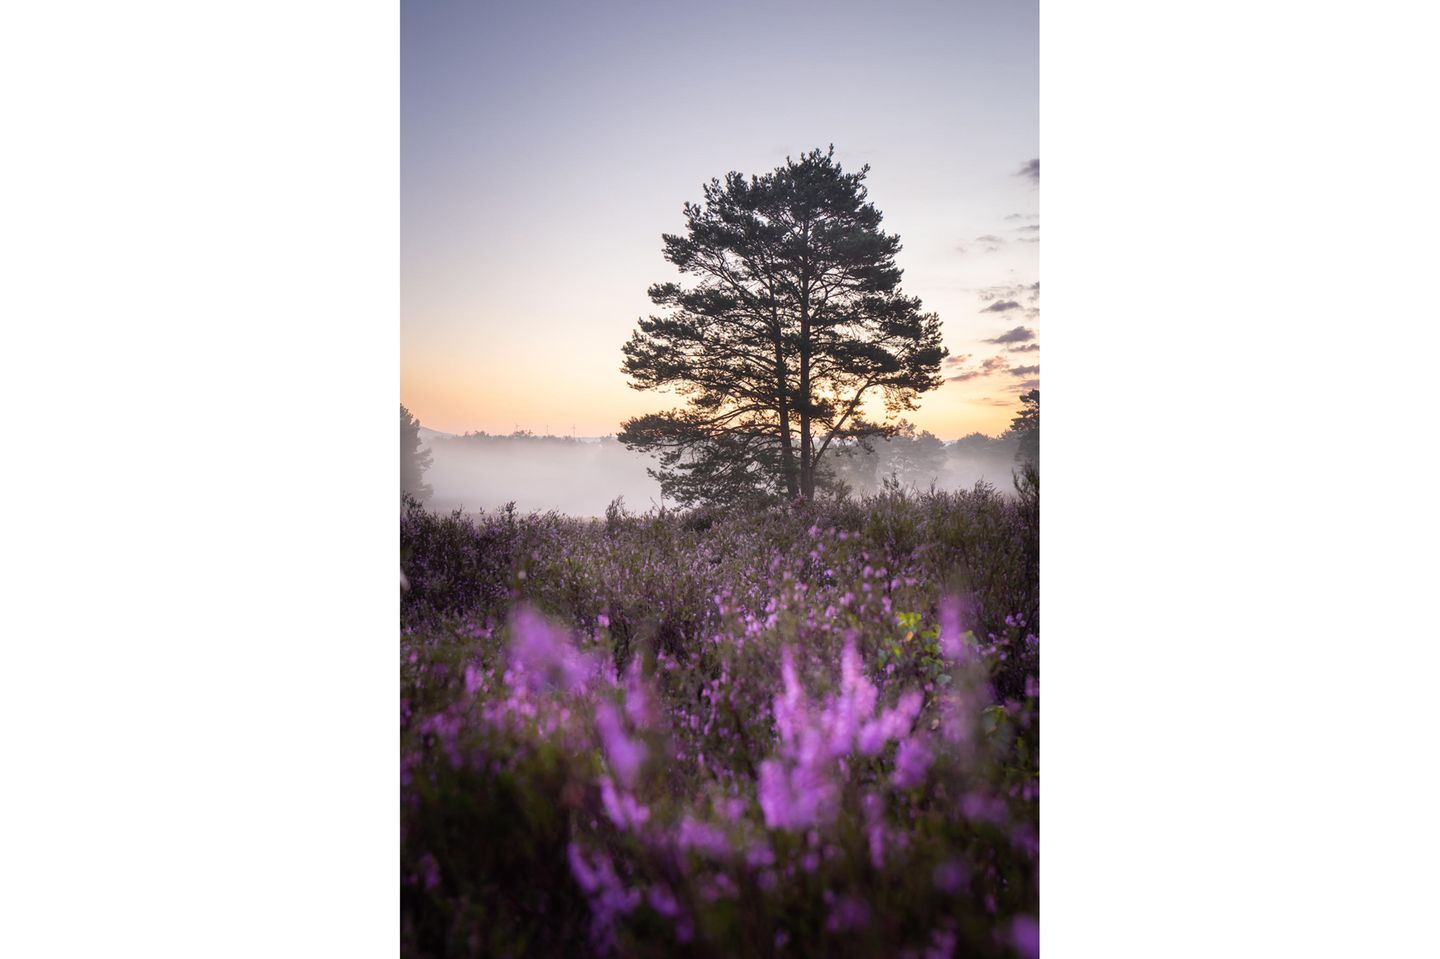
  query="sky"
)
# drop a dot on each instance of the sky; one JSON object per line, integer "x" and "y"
{"x": 546, "y": 146}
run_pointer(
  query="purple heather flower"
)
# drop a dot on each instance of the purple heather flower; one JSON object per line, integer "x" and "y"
{"x": 429, "y": 871}
{"x": 949, "y": 876}
{"x": 733, "y": 808}
{"x": 622, "y": 807}
{"x": 794, "y": 799}
{"x": 702, "y": 837}
{"x": 983, "y": 808}
{"x": 912, "y": 760}
{"x": 663, "y": 902}
{"x": 876, "y": 835}
{"x": 639, "y": 705}
{"x": 952, "y": 641}
{"x": 848, "y": 912}
{"x": 624, "y": 754}
{"x": 1026, "y": 933}
{"x": 546, "y": 655}
{"x": 942, "y": 945}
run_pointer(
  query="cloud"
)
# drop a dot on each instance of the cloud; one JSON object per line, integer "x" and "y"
{"x": 1030, "y": 170}
{"x": 1000, "y": 306}
{"x": 1024, "y": 370}
{"x": 1024, "y": 386}
{"x": 957, "y": 360}
{"x": 996, "y": 364}
{"x": 1027, "y": 294}
{"x": 1027, "y": 348}
{"x": 1028, "y": 228}
{"x": 1019, "y": 334}
{"x": 1010, "y": 291}
{"x": 989, "y": 243}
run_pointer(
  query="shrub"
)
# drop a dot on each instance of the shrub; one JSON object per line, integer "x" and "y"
{"x": 777, "y": 731}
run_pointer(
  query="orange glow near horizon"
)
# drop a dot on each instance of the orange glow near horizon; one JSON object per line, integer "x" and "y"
{"x": 504, "y": 402}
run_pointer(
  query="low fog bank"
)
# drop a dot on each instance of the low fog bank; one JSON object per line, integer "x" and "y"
{"x": 574, "y": 476}
{"x": 580, "y": 477}
{"x": 919, "y": 461}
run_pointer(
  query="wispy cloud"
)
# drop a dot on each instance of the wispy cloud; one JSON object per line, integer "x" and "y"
{"x": 1000, "y": 306}
{"x": 1030, "y": 170}
{"x": 1027, "y": 348}
{"x": 1019, "y": 334}
{"x": 958, "y": 360}
{"x": 1027, "y": 293}
{"x": 1007, "y": 292}
{"x": 987, "y": 244}
{"x": 1024, "y": 370}
{"x": 996, "y": 364}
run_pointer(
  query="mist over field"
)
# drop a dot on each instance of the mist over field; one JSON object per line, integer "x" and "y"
{"x": 578, "y": 477}
{"x": 582, "y": 476}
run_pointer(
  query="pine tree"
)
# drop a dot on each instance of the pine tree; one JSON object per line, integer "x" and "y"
{"x": 414, "y": 458}
{"x": 794, "y": 324}
{"x": 1026, "y": 427}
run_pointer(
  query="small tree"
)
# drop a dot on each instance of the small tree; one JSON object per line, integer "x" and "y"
{"x": 916, "y": 458}
{"x": 795, "y": 322}
{"x": 414, "y": 458}
{"x": 1026, "y": 426}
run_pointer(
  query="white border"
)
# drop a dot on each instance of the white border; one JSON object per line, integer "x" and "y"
{"x": 200, "y": 297}
{"x": 200, "y": 261}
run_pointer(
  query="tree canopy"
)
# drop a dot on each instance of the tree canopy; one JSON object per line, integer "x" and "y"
{"x": 1026, "y": 426}
{"x": 793, "y": 323}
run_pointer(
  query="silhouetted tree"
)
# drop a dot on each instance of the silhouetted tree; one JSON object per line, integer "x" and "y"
{"x": 916, "y": 458}
{"x": 1026, "y": 427}
{"x": 795, "y": 322}
{"x": 414, "y": 458}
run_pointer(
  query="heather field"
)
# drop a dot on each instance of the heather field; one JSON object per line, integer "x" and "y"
{"x": 762, "y": 731}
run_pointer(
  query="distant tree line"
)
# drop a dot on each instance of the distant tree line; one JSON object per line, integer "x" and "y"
{"x": 918, "y": 459}
{"x": 908, "y": 458}
{"x": 480, "y": 437}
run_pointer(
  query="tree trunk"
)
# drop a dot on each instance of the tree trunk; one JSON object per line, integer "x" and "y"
{"x": 807, "y": 461}
{"x": 787, "y": 447}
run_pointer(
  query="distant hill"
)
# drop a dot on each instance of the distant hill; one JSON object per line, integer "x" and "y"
{"x": 427, "y": 434}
